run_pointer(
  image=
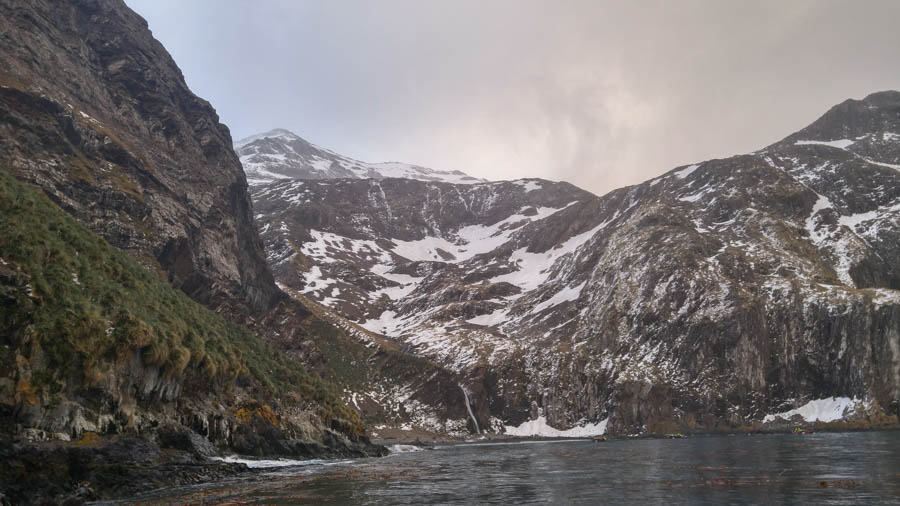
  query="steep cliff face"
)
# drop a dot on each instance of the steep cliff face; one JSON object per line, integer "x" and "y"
{"x": 95, "y": 114}
{"x": 715, "y": 296}
{"x": 93, "y": 342}
{"x": 141, "y": 383}
{"x": 377, "y": 238}
{"x": 94, "y": 111}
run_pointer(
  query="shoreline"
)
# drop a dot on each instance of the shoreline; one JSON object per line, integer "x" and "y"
{"x": 434, "y": 439}
{"x": 118, "y": 468}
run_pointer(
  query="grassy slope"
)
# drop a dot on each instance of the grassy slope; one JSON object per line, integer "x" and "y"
{"x": 91, "y": 303}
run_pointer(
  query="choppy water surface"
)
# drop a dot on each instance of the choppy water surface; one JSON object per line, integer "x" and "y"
{"x": 854, "y": 468}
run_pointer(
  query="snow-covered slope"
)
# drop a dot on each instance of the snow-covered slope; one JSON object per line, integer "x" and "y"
{"x": 714, "y": 295}
{"x": 281, "y": 154}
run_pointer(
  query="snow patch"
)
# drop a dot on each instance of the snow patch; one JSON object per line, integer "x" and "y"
{"x": 812, "y": 223}
{"x": 820, "y": 410}
{"x": 529, "y": 185}
{"x": 853, "y": 220}
{"x": 882, "y": 164}
{"x": 424, "y": 249}
{"x": 567, "y": 294}
{"x": 471, "y": 240}
{"x": 386, "y": 324}
{"x": 687, "y": 171}
{"x": 885, "y": 296}
{"x": 840, "y": 143}
{"x": 534, "y": 268}
{"x": 539, "y": 427}
{"x": 495, "y": 318}
{"x": 407, "y": 285}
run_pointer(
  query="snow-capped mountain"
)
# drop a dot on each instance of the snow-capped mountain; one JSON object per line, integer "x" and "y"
{"x": 716, "y": 295}
{"x": 281, "y": 154}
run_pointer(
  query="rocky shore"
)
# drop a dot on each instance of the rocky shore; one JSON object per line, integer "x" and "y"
{"x": 97, "y": 468}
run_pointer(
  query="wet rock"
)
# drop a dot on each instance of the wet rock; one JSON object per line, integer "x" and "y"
{"x": 183, "y": 438}
{"x": 54, "y": 473}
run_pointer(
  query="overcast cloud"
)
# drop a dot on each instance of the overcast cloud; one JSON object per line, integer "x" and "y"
{"x": 600, "y": 94}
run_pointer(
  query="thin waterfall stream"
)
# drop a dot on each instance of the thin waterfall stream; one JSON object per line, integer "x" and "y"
{"x": 469, "y": 408}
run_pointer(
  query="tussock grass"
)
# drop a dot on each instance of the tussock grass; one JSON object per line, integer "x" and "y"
{"x": 87, "y": 305}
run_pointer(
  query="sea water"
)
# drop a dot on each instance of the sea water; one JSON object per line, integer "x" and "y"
{"x": 826, "y": 468}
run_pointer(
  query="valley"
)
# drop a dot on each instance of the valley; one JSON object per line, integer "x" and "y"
{"x": 667, "y": 304}
{"x": 176, "y": 303}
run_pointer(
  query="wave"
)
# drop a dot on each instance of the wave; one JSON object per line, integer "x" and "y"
{"x": 403, "y": 448}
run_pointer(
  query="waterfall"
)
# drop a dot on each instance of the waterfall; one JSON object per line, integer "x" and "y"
{"x": 469, "y": 408}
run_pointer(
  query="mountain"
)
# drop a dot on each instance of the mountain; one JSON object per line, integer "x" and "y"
{"x": 724, "y": 294}
{"x": 142, "y": 321}
{"x": 95, "y": 344}
{"x": 138, "y": 316}
{"x": 95, "y": 112}
{"x": 281, "y": 154}
{"x": 96, "y": 116}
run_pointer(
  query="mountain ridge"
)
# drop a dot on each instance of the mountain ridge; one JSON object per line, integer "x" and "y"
{"x": 731, "y": 294}
{"x": 282, "y": 154}
{"x": 619, "y": 284}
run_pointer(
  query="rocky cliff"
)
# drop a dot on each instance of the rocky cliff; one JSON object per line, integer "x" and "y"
{"x": 94, "y": 111}
{"x": 112, "y": 381}
{"x": 724, "y": 294}
{"x": 96, "y": 115}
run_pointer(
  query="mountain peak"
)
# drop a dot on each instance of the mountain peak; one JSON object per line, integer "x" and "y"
{"x": 875, "y": 116}
{"x": 883, "y": 98}
{"x": 275, "y": 133}
{"x": 292, "y": 157}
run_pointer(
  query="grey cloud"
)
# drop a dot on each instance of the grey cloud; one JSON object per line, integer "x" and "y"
{"x": 601, "y": 94}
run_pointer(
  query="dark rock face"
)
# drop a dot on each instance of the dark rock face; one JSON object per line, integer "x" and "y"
{"x": 94, "y": 111}
{"x": 709, "y": 297}
{"x": 92, "y": 343}
{"x": 872, "y": 124}
{"x": 33, "y": 473}
{"x": 351, "y": 223}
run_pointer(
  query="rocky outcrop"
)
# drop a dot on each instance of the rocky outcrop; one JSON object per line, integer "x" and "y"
{"x": 111, "y": 380}
{"x": 53, "y": 473}
{"x": 711, "y": 297}
{"x": 94, "y": 344}
{"x": 94, "y": 112}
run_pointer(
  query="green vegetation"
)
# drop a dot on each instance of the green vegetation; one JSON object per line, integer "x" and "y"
{"x": 83, "y": 306}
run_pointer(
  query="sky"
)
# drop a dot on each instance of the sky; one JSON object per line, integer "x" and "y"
{"x": 602, "y": 94}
